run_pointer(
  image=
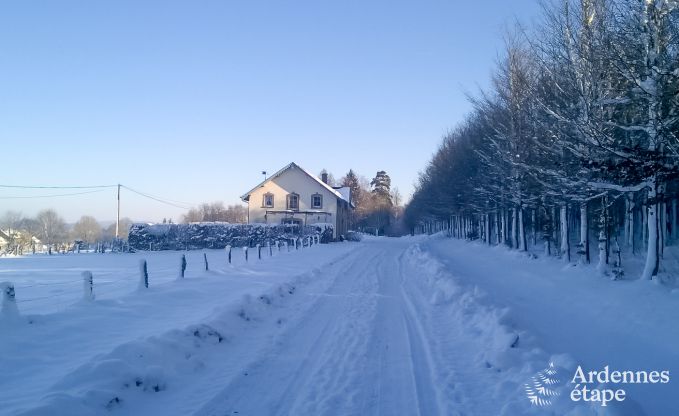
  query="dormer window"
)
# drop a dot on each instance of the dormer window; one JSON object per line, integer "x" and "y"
{"x": 316, "y": 201}
{"x": 293, "y": 201}
{"x": 267, "y": 200}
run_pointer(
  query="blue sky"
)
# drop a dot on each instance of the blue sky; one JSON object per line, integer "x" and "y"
{"x": 190, "y": 101}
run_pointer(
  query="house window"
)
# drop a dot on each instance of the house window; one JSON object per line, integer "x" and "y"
{"x": 316, "y": 201}
{"x": 293, "y": 201}
{"x": 267, "y": 200}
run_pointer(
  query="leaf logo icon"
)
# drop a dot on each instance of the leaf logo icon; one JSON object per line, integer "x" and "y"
{"x": 538, "y": 391}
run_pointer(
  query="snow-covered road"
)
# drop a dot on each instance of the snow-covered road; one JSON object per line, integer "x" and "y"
{"x": 359, "y": 348}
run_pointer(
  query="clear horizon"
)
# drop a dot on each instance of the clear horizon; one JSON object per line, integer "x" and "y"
{"x": 191, "y": 102}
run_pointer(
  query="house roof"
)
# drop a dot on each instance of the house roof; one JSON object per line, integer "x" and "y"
{"x": 345, "y": 191}
{"x": 245, "y": 197}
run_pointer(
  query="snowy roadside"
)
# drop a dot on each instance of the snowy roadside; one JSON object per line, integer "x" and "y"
{"x": 485, "y": 362}
{"x": 567, "y": 315}
{"x": 112, "y": 352}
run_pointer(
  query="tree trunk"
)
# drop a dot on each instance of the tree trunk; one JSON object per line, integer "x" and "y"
{"x": 652, "y": 252}
{"x": 488, "y": 239}
{"x": 626, "y": 218}
{"x": 522, "y": 231}
{"x": 584, "y": 234}
{"x": 555, "y": 230}
{"x": 546, "y": 224}
{"x": 498, "y": 230}
{"x": 673, "y": 219}
{"x": 644, "y": 224}
{"x": 630, "y": 221}
{"x": 514, "y": 226}
{"x": 662, "y": 227}
{"x": 565, "y": 245}
{"x": 603, "y": 253}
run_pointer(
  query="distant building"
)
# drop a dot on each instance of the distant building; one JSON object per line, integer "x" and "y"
{"x": 5, "y": 240}
{"x": 16, "y": 241}
{"x": 294, "y": 196}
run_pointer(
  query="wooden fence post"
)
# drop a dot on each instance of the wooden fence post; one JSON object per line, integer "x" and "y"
{"x": 9, "y": 303}
{"x": 144, "y": 275}
{"x": 205, "y": 260}
{"x": 88, "y": 285}
{"x": 182, "y": 266}
{"x": 245, "y": 249}
{"x": 228, "y": 250}
{"x": 259, "y": 251}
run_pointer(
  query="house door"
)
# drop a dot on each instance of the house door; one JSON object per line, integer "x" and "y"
{"x": 292, "y": 225}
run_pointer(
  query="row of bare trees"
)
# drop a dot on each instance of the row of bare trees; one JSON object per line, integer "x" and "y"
{"x": 576, "y": 139}
{"x": 217, "y": 212}
{"x": 49, "y": 230}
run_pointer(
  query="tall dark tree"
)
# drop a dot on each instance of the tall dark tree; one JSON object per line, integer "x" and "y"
{"x": 351, "y": 180}
{"x": 381, "y": 187}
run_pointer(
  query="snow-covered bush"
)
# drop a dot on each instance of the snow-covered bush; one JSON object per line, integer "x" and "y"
{"x": 217, "y": 235}
{"x": 353, "y": 236}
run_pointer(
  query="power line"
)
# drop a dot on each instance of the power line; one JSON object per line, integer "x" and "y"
{"x": 158, "y": 199}
{"x": 49, "y": 196}
{"x": 163, "y": 198}
{"x": 167, "y": 201}
{"x": 57, "y": 187}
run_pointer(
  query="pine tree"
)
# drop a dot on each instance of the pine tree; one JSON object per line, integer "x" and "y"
{"x": 351, "y": 181}
{"x": 381, "y": 185}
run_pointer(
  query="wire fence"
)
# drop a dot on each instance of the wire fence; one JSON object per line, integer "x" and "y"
{"x": 65, "y": 294}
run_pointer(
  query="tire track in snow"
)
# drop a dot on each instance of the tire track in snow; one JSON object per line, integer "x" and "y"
{"x": 402, "y": 379}
{"x": 332, "y": 388}
{"x": 281, "y": 379}
{"x": 429, "y": 396}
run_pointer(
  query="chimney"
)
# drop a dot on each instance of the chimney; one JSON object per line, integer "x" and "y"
{"x": 324, "y": 178}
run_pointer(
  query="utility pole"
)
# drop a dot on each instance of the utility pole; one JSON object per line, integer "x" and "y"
{"x": 118, "y": 216}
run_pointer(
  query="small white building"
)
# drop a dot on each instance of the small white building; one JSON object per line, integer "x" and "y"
{"x": 19, "y": 241}
{"x": 294, "y": 196}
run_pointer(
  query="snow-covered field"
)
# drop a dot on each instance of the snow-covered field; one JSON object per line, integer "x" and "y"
{"x": 416, "y": 325}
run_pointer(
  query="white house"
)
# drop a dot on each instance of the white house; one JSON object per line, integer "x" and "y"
{"x": 17, "y": 240}
{"x": 294, "y": 196}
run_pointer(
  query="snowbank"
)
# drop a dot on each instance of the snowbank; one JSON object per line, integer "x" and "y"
{"x": 568, "y": 315}
{"x": 502, "y": 358}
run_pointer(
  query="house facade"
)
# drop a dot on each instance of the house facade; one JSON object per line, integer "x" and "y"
{"x": 295, "y": 196}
